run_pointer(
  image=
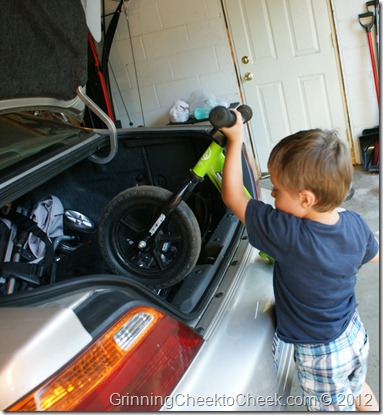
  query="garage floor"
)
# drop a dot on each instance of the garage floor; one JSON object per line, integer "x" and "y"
{"x": 365, "y": 202}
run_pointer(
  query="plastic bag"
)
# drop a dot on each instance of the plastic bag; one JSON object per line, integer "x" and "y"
{"x": 201, "y": 102}
{"x": 179, "y": 112}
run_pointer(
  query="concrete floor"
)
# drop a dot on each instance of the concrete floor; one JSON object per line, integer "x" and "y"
{"x": 365, "y": 202}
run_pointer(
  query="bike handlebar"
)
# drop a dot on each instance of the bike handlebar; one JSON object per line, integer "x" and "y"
{"x": 221, "y": 116}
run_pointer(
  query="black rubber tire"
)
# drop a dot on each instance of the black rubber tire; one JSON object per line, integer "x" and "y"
{"x": 128, "y": 217}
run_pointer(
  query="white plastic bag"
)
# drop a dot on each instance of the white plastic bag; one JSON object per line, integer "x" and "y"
{"x": 179, "y": 112}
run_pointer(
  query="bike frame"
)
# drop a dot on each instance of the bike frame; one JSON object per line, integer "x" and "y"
{"x": 210, "y": 164}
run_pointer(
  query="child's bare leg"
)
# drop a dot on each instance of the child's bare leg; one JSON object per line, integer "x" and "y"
{"x": 366, "y": 400}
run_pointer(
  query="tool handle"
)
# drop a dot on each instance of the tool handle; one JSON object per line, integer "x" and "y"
{"x": 367, "y": 24}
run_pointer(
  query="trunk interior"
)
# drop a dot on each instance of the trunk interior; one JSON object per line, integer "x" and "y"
{"x": 144, "y": 158}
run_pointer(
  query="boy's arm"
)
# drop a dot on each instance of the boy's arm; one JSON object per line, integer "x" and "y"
{"x": 376, "y": 257}
{"x": 232, "y": 179}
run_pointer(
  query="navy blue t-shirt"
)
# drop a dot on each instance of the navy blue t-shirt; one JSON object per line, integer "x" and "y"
{"x": 314, "y": 271}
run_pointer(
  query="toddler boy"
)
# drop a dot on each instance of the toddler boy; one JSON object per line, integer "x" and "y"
{"x": 318, "y": 249}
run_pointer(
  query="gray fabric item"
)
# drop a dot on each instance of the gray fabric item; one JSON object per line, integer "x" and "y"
{"x": 43, "y": 48}
{"x": 49, "y": 216}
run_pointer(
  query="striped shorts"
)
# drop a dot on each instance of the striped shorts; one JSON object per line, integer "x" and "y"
{"x": 332, "y": 374}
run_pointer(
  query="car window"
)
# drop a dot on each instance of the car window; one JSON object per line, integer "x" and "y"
{"x": 24, "y": 136}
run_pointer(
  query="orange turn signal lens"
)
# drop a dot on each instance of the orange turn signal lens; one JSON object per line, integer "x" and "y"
{"x": 143, "y": 354}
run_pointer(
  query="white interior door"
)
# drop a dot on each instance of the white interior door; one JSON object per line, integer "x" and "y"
{"x": 287, "y": 63}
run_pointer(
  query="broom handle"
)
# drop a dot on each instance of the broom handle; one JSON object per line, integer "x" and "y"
{"x": 376, "y": 78}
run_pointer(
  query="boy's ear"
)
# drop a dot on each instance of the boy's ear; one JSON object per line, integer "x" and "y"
{"x": 307, "y": 198}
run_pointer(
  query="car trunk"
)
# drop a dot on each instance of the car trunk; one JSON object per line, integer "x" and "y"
{"x": 159, "y": 157}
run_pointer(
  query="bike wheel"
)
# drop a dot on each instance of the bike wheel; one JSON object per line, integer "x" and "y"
{"x": 127, "y": 219}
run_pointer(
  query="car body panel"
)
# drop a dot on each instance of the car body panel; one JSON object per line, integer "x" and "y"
{"x": 234, "y": 370}
{"x": 38, "y": 342}
{"x": 235, "y": 365}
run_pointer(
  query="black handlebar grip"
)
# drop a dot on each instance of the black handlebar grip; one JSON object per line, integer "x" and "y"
{"x": 221, "y": 116}
{"x": 246, "y": 113}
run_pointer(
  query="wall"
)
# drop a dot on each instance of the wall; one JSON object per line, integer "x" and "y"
{"x": 357, "y": 69}
{"x": 178, "y": 46}
{"x": 171, "y": 48}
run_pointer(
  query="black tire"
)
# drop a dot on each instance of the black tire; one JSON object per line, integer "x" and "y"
{"x": 128, "y": 217}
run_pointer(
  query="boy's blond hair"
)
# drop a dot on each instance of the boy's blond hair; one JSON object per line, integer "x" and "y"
{"x": 316, "y": 160}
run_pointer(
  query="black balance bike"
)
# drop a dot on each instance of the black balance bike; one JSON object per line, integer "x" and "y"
{"x": 149, "y": 233}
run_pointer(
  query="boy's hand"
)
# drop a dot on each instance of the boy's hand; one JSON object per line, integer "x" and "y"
{"x": 235, "y": 132}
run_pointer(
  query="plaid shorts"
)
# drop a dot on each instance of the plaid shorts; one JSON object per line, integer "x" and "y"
{"x": 332, "y": 374}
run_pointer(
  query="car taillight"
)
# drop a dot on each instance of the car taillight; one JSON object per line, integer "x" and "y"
{"x": 133, "y": 366}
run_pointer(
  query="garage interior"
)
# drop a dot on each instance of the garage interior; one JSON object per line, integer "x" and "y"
{"x": 164, "y": 50}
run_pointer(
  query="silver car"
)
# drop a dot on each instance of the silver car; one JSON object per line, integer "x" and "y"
{"x": 76, "y": 335}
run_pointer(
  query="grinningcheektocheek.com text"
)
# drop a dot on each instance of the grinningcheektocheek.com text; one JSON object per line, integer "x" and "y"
{"x": 186, "y": 401}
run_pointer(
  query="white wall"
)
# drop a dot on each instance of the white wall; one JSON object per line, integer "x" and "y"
{"x": 357, "y": 68}
{"x": 180, "y": 46}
